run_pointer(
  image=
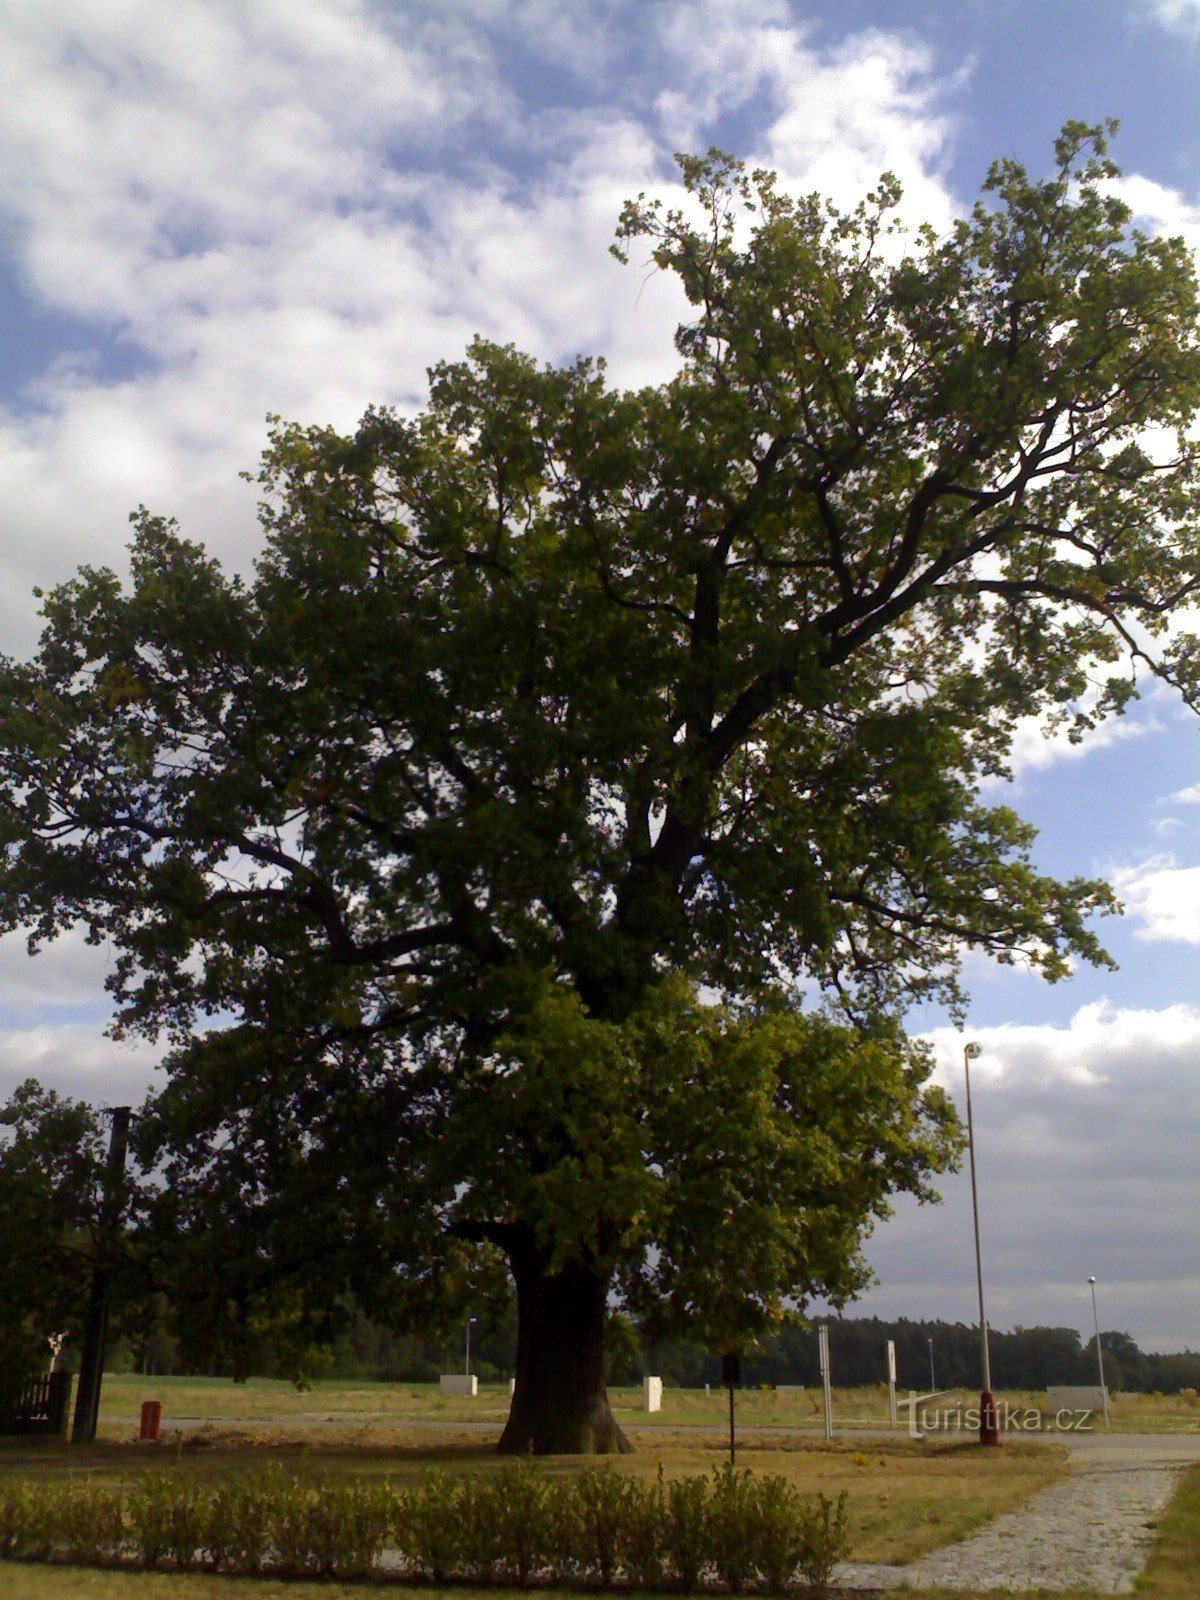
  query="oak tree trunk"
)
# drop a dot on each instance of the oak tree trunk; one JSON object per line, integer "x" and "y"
{"x": 560, "y": 1406}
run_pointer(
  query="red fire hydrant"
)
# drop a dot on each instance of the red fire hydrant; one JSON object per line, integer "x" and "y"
{"x": 151, "y": 1417}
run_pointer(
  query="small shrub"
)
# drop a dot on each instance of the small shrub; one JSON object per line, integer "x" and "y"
{"x": 779, "y": 1516}
{"x": 687, "y": 1529}
{"x": 646, "y": 1534}
{"x": 287, "y": 1513}
{"x": 237, "y": 1525}
{"x": 602, "y": 1500}
{"x": 823, "y": 1542}
{"x": 568, "y": 1538}
{"x": 347, "y": 1527}
{"x": 90, "y": 1523}
{"x": 148, "y": 1508}
{"x": 16, "y": 1520}
{"x": 477, "y": 1534}
{"x": 519, "y": 1504}
{"x": 430, "y": 1526}
{"x": 732, "y": 1531}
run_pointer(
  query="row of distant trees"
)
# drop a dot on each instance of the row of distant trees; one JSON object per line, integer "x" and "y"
{"x": 1025, "y": 1358}
{"x": 165, "y": 1317}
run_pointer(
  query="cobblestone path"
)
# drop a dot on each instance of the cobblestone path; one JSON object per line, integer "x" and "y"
{"x": 1092, "y": 1530}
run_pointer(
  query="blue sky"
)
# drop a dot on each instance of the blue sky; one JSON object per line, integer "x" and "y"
{"x": 210, "y": 210}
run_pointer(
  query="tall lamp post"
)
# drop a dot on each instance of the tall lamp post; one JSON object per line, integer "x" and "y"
{"x": 1099, "y": 1352}
{"x": 989, "y": 1427}
{"x": 470, "y": 1320}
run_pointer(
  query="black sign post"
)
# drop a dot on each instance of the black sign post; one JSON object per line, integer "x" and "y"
{"x": 731, "y": 1374}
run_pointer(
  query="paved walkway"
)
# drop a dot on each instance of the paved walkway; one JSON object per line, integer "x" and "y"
{"x": 1093, "y": 1530}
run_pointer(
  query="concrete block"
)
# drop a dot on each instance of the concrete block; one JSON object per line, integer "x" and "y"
{"x": 459, "y": 1383}
{"x": 652, "y": 1393}
{"x": 1075, "y": 1397}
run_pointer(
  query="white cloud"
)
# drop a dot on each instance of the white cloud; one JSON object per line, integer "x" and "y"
{"x": 1180, "y": 16}
{"x": 68, "y": 973}
{"x": 77, "y": 1060}
{"x": 873, "y": 110}
{"x": 1164, "y": 827}
{"x": 1102, "y": 1044}
{"x": 1163, "y": 210}
{"x": 1033, "y": 750}
{"x": 1085, "y": 1163}
{"x": 1164, "y": 896}
{"x": 298, "y": 209}
{"x": 1185, "y": 797}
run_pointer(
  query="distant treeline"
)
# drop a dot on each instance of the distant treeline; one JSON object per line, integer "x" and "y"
{"x": 1025, "y": 1358}
{"x": 946, "y": 1355}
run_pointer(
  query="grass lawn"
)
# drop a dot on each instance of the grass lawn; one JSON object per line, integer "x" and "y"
{"x": 905, "y": 1496}
{"x": 264, "y": 1400}
{"x": 1173, "y": 1573}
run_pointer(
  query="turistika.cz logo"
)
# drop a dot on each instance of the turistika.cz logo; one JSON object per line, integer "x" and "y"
{"x": 923, "y": 1418}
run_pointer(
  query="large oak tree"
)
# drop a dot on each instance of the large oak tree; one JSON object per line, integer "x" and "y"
{"x": 556, "y": 713}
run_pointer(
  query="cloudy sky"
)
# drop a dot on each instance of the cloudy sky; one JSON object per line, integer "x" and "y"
{"x": 215, "y": 209}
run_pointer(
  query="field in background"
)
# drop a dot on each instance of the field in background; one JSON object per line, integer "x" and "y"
{"x": 265, "y": 1401}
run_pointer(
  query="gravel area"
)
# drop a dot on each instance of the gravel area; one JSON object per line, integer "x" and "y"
{"x": 1093, "y": 1530}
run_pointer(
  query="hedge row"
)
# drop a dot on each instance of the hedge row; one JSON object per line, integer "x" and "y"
{"x": 513, "y": 1527}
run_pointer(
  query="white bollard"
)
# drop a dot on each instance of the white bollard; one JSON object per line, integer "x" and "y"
{"x": 652, "y": 1393}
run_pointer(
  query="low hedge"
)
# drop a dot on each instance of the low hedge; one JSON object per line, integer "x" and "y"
{"x": 513, "y": 1527}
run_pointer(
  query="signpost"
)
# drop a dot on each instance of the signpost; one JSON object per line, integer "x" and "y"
{"x": 823, "y": 1349}
{"x": 731, "y": 1374}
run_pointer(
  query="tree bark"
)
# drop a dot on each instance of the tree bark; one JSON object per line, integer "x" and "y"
{"x": 560, "y": 1405}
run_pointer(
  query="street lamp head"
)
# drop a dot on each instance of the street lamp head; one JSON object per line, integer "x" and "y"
{"x": 972, "y": 1051}
{"x": 1091, "y": 1280}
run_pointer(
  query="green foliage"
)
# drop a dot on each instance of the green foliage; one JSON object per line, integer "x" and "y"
{"x": 428, "y": 1527}
{"x": 598, "y": 1530}
{"x": 51, "y": 1169}
{"x": 603, "y": 1504}
{"x": 646, "y": 1560}
{"x": 822, "y": 1542}
{"x": 237, "y": 1535}
{"x": 517, "y": 1506}
{"x": 687, "y": 1529}
{"x": 168, "y": 1518}
{"x": 732, "y": 1527}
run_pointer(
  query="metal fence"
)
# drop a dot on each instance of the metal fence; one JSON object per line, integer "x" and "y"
{"x": 38, "y": 1405}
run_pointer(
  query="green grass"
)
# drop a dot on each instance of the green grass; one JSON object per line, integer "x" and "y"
{"x": 339, "y": 1402}
{"x": 905, "y": 1497}
{"x": 1174, "y": 1571}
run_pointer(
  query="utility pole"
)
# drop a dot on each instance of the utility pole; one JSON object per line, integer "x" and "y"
{"x": 95, "y": 1327}
{"x": 989, "y": 1427}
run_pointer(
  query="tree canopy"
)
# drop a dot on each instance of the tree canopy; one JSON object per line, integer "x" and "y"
{"x": 555, "y": 714}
